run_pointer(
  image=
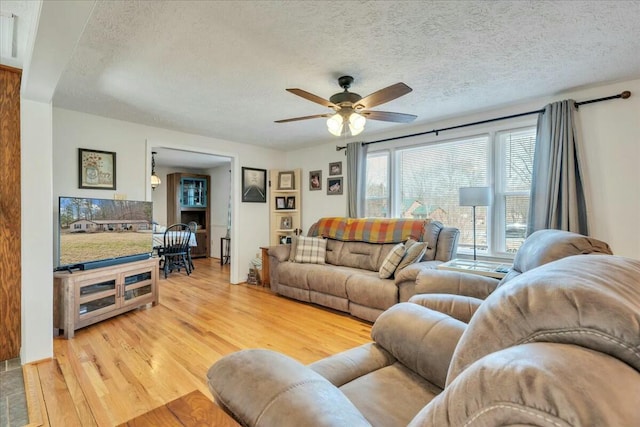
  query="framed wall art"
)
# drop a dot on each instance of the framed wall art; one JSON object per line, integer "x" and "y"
{"x": 96, "y": 169}
{"x": 335, "y": 168}
{"x": 334, "y": 185}
{"x": 286, "y": 180}
{"x": 291, "y": 202}
{"x": 254, "y": 185}
{"x": 315, "y": 180}
{"x": 286, "y": 223}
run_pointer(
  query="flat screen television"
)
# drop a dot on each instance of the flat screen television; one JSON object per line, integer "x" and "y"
{"x": 96, "y": 233}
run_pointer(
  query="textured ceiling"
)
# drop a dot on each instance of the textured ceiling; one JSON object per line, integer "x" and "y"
{"x": 220, "y": 68}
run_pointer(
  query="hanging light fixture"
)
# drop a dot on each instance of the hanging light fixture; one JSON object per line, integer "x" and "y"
{"x": 155, "y": 179}
{"x": 346, "y": 120}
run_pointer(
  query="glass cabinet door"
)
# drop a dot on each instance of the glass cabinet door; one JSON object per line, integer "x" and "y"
{"x": 137, "y": 286}
{"x": 193, "y": 192}
{"x": 96, "y": 296}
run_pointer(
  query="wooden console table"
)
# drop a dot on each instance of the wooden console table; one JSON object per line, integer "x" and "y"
{"x": 85, "y": 297}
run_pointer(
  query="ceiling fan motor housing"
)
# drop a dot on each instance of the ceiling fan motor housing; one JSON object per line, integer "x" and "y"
{"x": 346, "y": 98}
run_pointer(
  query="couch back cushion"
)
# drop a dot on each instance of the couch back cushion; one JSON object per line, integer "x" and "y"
{"x": 544, "y": 246}
{"x": 367, "y": 256}
{"x": 589, "y": 301}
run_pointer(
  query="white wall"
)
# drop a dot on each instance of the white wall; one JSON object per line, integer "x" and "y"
{"x": 317, "y": 204}
{"x": 36, "y": 231}
{"x": 130, "y": 141}
{"x": 220, "y": 183}
{"x": 611, "y": 139}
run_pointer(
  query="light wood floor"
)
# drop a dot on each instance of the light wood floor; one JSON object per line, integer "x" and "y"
{"x": 123, "y": 367}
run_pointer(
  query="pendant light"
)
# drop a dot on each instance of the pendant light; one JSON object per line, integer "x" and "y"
{"x": 155, "y": 179}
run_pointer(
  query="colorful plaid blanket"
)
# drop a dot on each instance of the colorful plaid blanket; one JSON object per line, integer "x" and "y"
{"x": 371, "y": 230}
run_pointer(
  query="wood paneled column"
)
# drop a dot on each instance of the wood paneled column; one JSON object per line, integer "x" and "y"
{"x": 10, "y": 258}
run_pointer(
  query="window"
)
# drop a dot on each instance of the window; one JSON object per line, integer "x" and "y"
{"x": 515, "y": 153}
{"x": 377, "y": 199}
{"x": 426, "y": 180}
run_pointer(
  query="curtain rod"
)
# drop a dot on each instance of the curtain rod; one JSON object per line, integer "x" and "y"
{"x": 624, "y": 95}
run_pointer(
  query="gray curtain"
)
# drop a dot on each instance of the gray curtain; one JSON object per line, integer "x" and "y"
{"x": 557, "y": 188}
{"x": 356, "y": 179}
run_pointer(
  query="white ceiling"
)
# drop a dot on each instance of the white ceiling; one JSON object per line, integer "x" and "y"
{"x": 220, "y": 68}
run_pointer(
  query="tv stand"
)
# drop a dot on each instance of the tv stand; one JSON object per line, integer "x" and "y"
{"x": 89, "y": 296}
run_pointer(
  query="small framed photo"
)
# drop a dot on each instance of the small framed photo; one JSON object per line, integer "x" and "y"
{"x": 334, "y": 185}
{"x": 286, "y": 223}
{"x": 315, "y": 180}
{"x": 96, "y": 169}
{"x": 286, "y": 180}
{"x": 335, "y": 168}
{"x": 291, "y": 202}
{"x": 254, "y": 185}
{"x": 281, "y": 203}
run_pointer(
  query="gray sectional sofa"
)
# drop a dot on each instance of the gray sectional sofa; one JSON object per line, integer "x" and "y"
{"x": 349, "y": 280}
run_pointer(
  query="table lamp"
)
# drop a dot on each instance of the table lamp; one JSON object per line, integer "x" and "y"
{"x": 475, "y": 196}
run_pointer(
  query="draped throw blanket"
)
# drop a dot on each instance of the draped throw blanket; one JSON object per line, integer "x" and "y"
{"x": 557, "y": 188}
{"x": 371, "y": 230}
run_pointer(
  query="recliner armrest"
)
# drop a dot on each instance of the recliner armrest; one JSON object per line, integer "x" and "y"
{"x": 344, "y": 367}
{"x": 265, "y": 388}
{"x": 421, "y": 339}
{"x": 457, "y": 306}
{"x": 280, "y": 252}
{"x": 453, "y": 282}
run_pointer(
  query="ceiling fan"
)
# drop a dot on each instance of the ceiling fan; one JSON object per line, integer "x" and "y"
{"x": 351, "y": 110}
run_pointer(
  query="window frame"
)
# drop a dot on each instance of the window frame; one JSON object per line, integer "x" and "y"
{"x": 496, "y": 155}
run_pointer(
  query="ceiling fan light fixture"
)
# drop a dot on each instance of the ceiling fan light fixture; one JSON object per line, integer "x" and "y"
{"x": 356, "y": 123}
{"x": 334, "y": 124}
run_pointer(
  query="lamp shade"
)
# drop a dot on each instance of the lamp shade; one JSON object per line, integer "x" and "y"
{"x": 475, "y": 196}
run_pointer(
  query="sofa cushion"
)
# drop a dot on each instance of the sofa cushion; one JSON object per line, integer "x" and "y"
{"x": 311, "y": 250}
{"x": 430, "y": 235}
{"x": 391, "y": 261}
{"x": 414, "y": 254}
{"x": 369, "y": 290}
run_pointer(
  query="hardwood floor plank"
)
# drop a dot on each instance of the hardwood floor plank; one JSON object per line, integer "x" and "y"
{"x": 59, "y": 404}
{"x": 121, "y": 368}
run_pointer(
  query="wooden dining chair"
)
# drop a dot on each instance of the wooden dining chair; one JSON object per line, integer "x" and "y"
{"x": 175, "y": 249}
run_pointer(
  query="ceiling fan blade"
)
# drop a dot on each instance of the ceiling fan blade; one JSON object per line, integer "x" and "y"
{"x": 387, "y": 116}
{"x": 384, "y": 95}
{"x": 311, "y": 97}
{"x": 295, "y": 119}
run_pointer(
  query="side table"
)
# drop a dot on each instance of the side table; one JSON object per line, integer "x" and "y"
{"x": 496, "y": 270}
{"x": 225, "y": 250}
{"x": 265, "y": 267}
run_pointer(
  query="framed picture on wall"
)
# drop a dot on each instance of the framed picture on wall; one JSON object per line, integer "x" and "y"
{"x": 335, "y": 168}
{"x": 315, "y": 180}
{"x": 286, "y": 180}
{"x": 96, "y": 169}
{"x": 286, "y": 223}
{"x": 291, "y": 202}
{"x": 254, "y": 185}
{"x": 334, "y": 185}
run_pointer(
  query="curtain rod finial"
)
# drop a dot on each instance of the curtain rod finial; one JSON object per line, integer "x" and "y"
{"x": 626, "y": 94}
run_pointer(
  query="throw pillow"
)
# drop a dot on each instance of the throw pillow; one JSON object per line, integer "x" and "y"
{"x": 414, "y": 254}
{"x": 311, "y": 250}
{"x": 410, "y": 242}
{"x": 391, "y": 261}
